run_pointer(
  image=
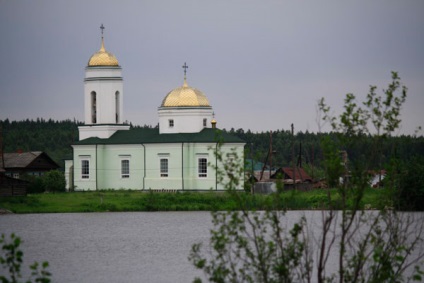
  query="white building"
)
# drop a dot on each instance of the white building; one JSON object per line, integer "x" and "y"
{"x": 179, "y": 155}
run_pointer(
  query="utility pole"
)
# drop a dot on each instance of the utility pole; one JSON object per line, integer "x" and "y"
{"x": 270, "y": 153}
{"x": 293, "y": 162}
{"x": 252, "y": 181}
{"x": 1, "y": 145}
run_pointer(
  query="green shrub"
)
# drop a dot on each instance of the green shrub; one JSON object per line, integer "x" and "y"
{"x": 54, "y": 181}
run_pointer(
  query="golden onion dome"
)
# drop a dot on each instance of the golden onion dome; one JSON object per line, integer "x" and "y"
{"x": 213, "y": 123}
{"x": 185, "y": 96}
{"x": 103, "y": 58}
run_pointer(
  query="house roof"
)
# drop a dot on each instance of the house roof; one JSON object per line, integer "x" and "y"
{"x": 300, "y": 174}
{"x": 24, "y": 159}
{"x": 149, "y": 135}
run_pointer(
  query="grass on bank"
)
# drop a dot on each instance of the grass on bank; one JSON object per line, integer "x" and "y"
{"x": 103, "y": 201}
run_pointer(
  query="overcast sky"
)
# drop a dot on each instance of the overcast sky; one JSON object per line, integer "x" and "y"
{"x": 262, "y": 64}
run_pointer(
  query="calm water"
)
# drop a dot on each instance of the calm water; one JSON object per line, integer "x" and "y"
{"x": 111, "y": 247}
{"x": 116, "y": 247}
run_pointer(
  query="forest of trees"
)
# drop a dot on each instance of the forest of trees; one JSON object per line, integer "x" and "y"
{"x": 55, "y": 138}
{"x": 306, "y": 145}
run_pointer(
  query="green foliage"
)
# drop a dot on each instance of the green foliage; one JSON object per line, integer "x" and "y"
{"x": 379, "y": 246}
{"x": 333, "y": 167}
{"x": 11, "y": 259}
{"x": 36, "y": 184}
{"x": 54, "y": 181}
{"x": 243, "y": 251}
{"x": 411, "y": 184}
{"x": 36, "y": 135}
{"x": 185, "y": 201}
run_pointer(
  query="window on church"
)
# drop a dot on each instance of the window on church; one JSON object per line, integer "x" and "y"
{"x": 171, "y": 123}
{"x": 125, "y": 168}
{"x": 202, "y": 167}
{"x": 205, "y": 121}
{"x": 164, "y": 167}
{"x": 117, "y": 106}
{"x": 85, "y": 169}
{"x": 93, "y": 108}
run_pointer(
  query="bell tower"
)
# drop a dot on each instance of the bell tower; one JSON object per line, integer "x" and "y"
{"x": 103, "y": 95}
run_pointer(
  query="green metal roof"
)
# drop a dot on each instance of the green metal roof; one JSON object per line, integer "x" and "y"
{"x": 149, "y": 135}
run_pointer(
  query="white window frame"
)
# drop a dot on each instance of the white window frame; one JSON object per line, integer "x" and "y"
{"x": 205, "y": 122}
{"x": 125, "y": 170}
{"x": 85, "y": 170}
{"x": 202, "y": 167}
{"x": 171, "y": 123}
{"x": 164, "y": 172}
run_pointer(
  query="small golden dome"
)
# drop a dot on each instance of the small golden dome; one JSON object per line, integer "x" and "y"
{"x": 185, "y": 96}
{"x": 103, "y": 58}
{"x": 213, "y": 123}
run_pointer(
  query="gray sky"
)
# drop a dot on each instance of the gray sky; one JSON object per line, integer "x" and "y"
{"x": 262, "y": 64}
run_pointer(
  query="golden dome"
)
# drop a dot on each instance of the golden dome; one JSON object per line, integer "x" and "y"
{"x": 213, "y": 123}
{"x": 103, "y": 58}
{"x": 185, "y": 96}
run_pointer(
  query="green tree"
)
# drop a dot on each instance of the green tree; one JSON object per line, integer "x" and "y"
{"x": 411, "y": 184}
{"x": 378, "y": 246}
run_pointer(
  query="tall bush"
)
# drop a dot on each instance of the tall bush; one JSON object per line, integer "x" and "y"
{"x": 54, "y": 181}
{"x": 379, "y": 246}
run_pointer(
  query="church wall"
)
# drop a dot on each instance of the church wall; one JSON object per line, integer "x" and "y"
{"x": 100, "y": 131}
{"x": 105, "y": 165}
{"x": 154, "y": 180}
{"x": 110, "y": 175}
{"x": 185, "y": 120}
{"x": 105, "y": 101}
{"x": 86, "y": 154}
{"x": 192, "y": 152}
{"x": 102, "y": 72}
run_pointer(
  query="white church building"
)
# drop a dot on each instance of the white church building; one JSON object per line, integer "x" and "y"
{"x": 181, "y": 154}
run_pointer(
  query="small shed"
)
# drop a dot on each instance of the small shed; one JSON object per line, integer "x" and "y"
{"x": 12, "y": 187}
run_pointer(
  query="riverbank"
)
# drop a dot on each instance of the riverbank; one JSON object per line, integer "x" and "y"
{"x": 104, "y": 201}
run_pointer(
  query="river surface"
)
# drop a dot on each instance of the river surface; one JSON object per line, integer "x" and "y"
{"x": 115, "y": 247}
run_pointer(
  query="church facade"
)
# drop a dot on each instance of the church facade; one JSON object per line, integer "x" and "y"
{"x": 181, "y": 154}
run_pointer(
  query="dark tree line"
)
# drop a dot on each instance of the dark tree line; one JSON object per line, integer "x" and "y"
{"x": 307, "y": 147}
{"x": 56, "y": 137}
{"x": 53, "y": 137}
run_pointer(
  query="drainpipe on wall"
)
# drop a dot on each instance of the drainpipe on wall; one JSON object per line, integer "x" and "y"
{"x": 96, "y": 169}
{"x": 72, "y": 188}
{"x": 144, "y": 157}
{"x": 182, "y": 165}
{"x": 216, "y": 167}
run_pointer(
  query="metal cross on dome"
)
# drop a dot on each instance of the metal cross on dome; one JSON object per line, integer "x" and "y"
{"x": 102, "y": 28}
{"x": 185, "y": 67}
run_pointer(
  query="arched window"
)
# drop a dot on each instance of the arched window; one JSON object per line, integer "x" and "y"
{"x": 117, "y": 114}
{"x": 93, "y": 108}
